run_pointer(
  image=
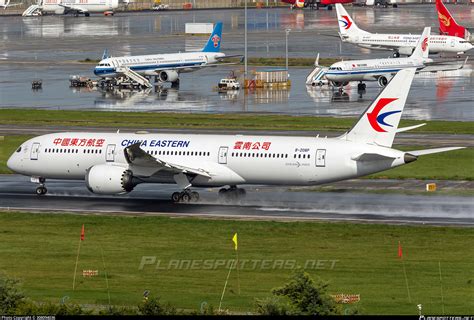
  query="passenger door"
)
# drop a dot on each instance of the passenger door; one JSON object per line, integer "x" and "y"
{"x": 223, "y": 155}
{"x": 321, "y": 158}
{"x": 34, "y": 151}
{"x": 110, "y": 153}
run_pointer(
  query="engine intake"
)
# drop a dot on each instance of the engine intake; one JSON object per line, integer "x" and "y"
{"x": 109, "y": 179}
{"x": 168, "y": 76}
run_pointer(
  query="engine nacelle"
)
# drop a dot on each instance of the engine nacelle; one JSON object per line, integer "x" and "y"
{"x": 108, "y": 179}
{"x": 168, "y": 76}
{"x": 382, "y": 81}
{"x": 407, "y": 51}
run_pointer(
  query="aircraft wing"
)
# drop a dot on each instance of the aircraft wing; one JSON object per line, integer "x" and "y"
{"x": 199, "y": 66}
{"x": 73, "y": 8}
{"x": 138, "y": 157}
{"x": 444, "y": 65}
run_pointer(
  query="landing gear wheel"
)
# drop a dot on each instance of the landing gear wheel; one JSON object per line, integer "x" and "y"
{"x": 175, "y": 196}
{"x": 396, "y": 54}
{"x": 41, "y": 191}
{"x": 361, "y": 86}
{"x": 175, "y": 84}
{"x": 194, "y": 196}
{"x": 185, "y": 197}
{"x": 232, "y": 194}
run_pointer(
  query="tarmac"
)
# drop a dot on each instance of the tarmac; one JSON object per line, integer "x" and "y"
{"x": 345, "y": 204}
{"x": 50, "y": 47}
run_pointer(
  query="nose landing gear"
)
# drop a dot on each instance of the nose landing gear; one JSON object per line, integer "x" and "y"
{"x": 41, "y": 190}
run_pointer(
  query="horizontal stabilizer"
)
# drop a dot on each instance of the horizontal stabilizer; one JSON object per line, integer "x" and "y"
{"x": 410, "y": 128}
{"x": 431, "y": 151}
{"x": 371, "y": 157}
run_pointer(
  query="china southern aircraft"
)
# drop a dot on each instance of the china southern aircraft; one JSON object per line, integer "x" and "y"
{"x": 114, "y": 163}
{"x": 166, "y": 66}
{"x": 399, "y": 43}
{"x": 76, "y": 7}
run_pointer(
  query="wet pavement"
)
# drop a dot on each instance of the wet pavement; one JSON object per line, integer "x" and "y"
{"x": 261, "y": 203}
{"x": 48, "y": 48}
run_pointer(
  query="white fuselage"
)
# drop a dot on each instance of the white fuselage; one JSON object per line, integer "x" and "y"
{"x": 64, "y": 6}
{"x": 151, "y": 65}
{"x": 371, "y": 69}
{"x": 405, "y": 43}
{"x": 232, "y": 159}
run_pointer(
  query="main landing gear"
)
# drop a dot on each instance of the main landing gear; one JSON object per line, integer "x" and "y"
{"x": 185, "y": 196}
{"x": 231, "y": 194}
{"x": 361, "y": 86}
{"x": 41, "y": 190}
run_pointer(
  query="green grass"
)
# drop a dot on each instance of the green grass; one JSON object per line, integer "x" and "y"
{"x": 453, "y": 165}
{"x": 40, "y": 249}
{"x": 205, "y": 121}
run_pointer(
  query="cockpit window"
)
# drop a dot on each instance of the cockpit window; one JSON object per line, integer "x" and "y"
{"x": 18, "y": 150}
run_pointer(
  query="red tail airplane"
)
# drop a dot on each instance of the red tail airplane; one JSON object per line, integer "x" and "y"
{"x": 448, "y": 26}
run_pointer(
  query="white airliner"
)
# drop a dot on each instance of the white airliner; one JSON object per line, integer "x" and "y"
{"x": 166, "y": 67}
{"x": 75, "y": 7}
{"x": 399, "y": 43}
{"x": 114, "y": 163}
{"x": 6, "y": 4}
{"x": 381, "y": 70}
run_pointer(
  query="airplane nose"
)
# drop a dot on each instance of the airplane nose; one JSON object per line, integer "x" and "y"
{"x": 12, "y": 164}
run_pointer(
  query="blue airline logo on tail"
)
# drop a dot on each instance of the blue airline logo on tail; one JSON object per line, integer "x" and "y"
{"x": 214, "y": 42}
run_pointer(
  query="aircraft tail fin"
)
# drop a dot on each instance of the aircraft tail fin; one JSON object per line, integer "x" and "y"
{"x": 347, "y": 26}
{"x": 447, "y": 24}
{"x": 214, "y": 42}
{"x": 422, "y": 47}
{"x": 379, "y": 123}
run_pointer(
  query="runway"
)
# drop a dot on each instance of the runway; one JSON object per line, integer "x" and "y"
{"x": 261, "y": 203}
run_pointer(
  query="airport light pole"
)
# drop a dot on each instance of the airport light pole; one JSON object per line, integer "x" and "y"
{"x": 287, "y": 32}
{"x": 245, "y": 40}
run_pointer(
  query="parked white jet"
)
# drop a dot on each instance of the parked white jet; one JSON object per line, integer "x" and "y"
{"x": 381, "y": 70}
{"x": 6, "y": 4}
{"x": 76, "y": 7}
{"x": 399, "y": 43}
{"x": 114, "y": 163}
{"x": 166, "y": 67}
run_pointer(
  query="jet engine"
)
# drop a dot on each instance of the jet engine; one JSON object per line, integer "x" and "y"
{"x": 168, "y": 76}
{"x": 109, "y": 179}
{"x": 382, "y": 81}
{"x": 406, "y": 50}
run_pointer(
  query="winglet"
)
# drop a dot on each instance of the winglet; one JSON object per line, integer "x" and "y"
{"x": 378, "y": 124}
{"x": 214, "y": 42}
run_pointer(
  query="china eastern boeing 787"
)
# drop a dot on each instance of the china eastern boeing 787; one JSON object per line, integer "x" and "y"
{"x": 114, "y": 163}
